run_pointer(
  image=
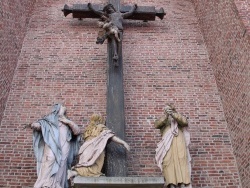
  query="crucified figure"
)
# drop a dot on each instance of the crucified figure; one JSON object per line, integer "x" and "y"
{"x": 111, "y": 21}
{"x": 109, "y": 28}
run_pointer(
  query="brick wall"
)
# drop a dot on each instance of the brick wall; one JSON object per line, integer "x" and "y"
{"x": 227, "y": 42}
{"x": 14, "y": 18}
{"x": 164, "y": 61}
{"x": 243, "y": 7}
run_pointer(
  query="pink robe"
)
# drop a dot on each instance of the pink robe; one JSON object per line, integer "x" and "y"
{"x": 92, "y": 152}
{"x": 92, "y": 149}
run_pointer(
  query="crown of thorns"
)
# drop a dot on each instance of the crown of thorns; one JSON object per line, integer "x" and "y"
{"x": 107, "y": 7}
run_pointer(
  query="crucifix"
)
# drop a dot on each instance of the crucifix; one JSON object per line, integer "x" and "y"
{"x": 110, "y": 20}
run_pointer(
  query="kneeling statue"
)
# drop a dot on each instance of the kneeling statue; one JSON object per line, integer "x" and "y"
{"x": 92, "y": 152}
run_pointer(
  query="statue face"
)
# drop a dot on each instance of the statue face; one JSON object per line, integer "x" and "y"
{"x": 110, "y": 10}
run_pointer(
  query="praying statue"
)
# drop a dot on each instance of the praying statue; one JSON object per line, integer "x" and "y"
{"x": 92, "y": 152}
{"x": 172, "y": 153}
{"x": 56, "y": 143}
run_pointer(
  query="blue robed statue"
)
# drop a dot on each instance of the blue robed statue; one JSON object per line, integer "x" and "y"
{"x": 56, "y": 143}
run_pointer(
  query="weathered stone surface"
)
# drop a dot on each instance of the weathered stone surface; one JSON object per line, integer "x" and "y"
{"x": 138, "y": 182}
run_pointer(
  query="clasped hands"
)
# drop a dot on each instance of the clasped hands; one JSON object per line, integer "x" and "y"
{"x": 168, "y": 111}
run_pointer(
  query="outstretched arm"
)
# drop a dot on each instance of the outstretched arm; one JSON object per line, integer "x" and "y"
{"x": 100, "y": 13}
{"x": 131, "y": 12}
{"x": 120, "y": 141}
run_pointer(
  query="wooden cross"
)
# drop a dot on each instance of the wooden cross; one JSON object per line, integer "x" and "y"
{"x": 115, "y": 164}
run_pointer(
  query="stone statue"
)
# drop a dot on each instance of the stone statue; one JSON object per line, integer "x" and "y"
{"x": 172, "y": 153}
{"x": 56, "y": 143}
{"x": 92, "y": 152}
{"x": 109, "y": 29}
{"x": 113, "y": 22}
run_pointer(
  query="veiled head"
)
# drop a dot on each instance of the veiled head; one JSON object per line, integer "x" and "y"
{"x": 59, "y": 109}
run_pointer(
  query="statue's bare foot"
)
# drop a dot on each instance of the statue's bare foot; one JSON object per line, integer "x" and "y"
{"x": 115, "y": 59}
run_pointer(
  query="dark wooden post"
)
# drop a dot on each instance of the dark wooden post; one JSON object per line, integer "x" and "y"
{"x": 115, "y": 164}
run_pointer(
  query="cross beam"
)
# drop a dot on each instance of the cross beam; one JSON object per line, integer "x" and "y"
{"x": 145, "y": 13}
{"x": 115, "y": 164}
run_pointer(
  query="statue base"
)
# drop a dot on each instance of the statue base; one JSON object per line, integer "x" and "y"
{"x": 118, "y": 182}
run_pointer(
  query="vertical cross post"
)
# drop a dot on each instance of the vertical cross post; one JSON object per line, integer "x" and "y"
{"x": 115, "y": 164}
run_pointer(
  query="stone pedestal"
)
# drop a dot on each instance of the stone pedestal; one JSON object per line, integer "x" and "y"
{"x": 118, "y": 182}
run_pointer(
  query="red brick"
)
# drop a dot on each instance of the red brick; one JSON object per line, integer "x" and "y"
{"x": 182, "y": 59}
{"x": 225, "y": 27}
{"x": 14, "y": 19}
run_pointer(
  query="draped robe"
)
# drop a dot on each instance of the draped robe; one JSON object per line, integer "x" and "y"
{"x": 55, "y": 147}
{"x": 172, "y": 154}
{"x": 92, "y": 152}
